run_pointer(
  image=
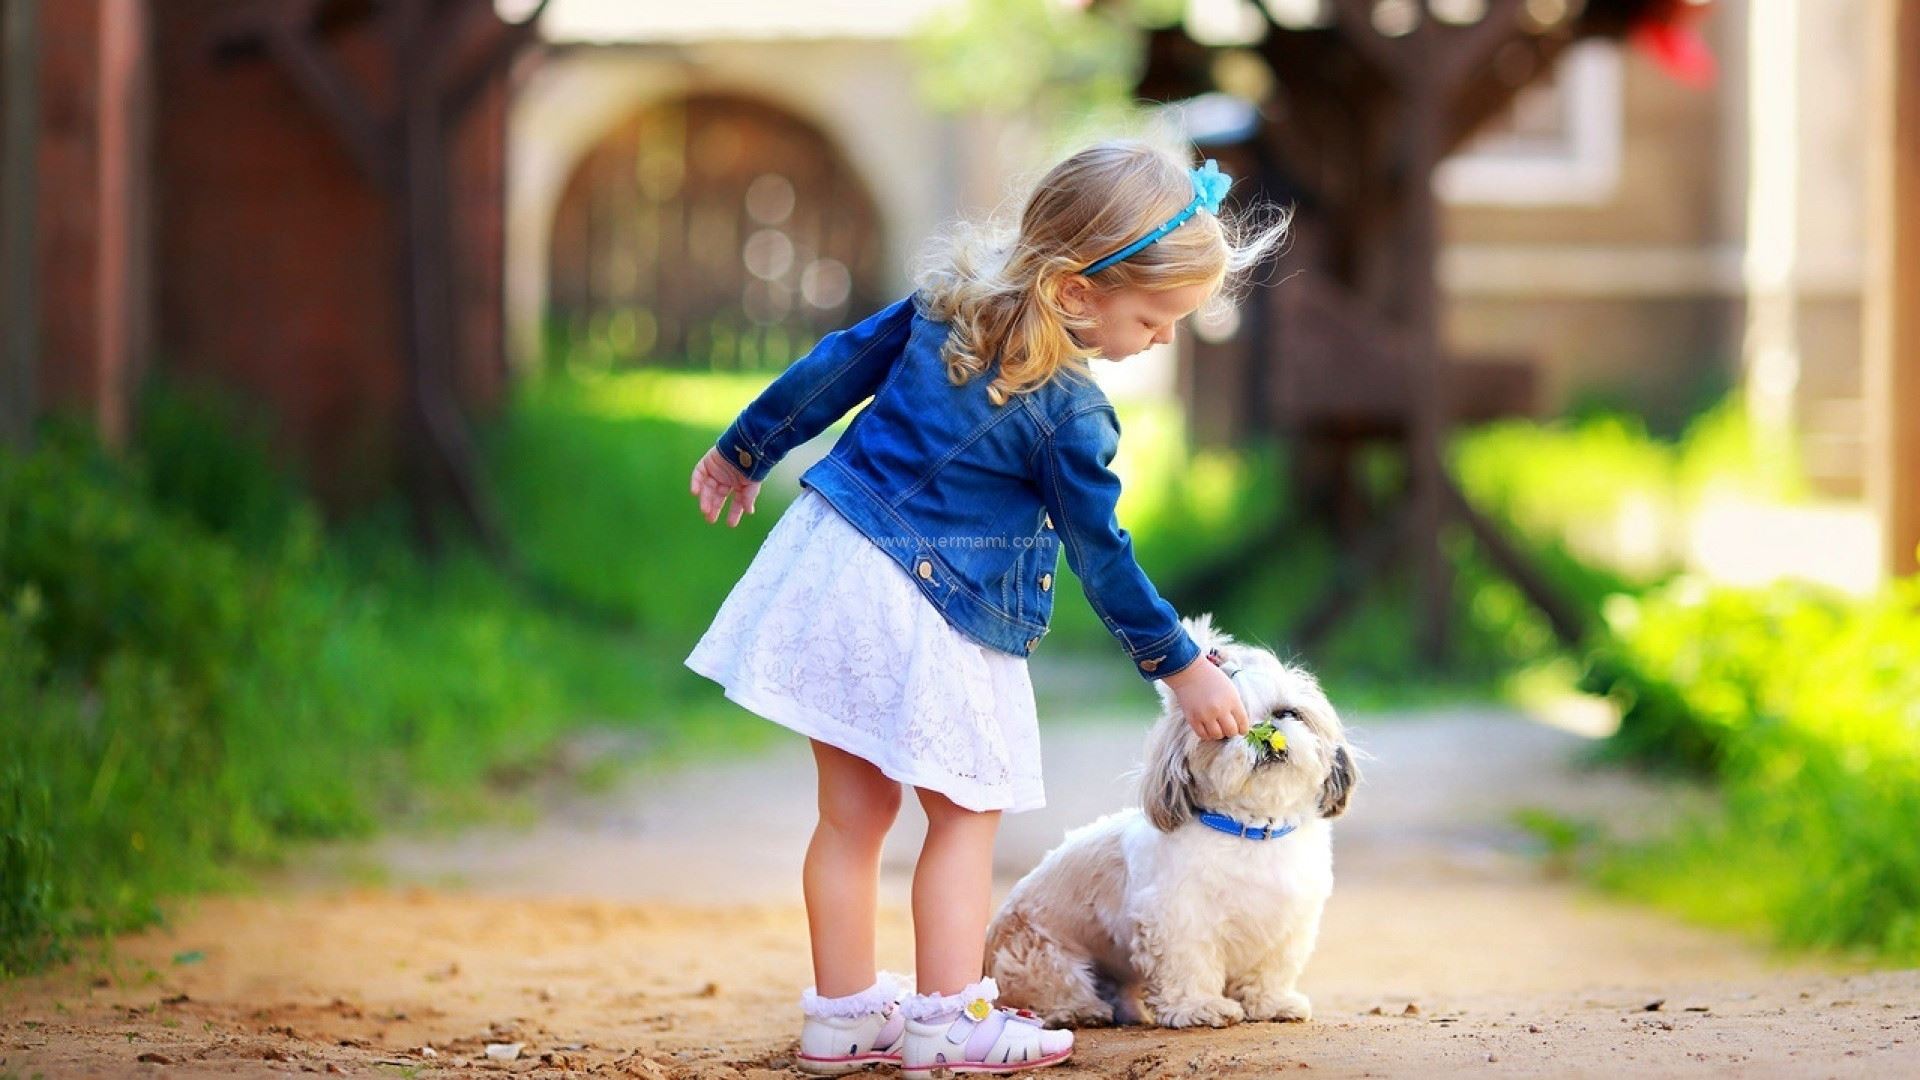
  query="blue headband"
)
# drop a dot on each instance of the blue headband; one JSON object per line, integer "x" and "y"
{"x": 1209, "y": 189}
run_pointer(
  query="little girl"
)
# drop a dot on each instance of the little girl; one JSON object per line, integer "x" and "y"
{"x": 889, "y": 614}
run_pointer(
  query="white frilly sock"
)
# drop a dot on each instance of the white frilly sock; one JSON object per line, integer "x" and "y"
{"x": 886, "y": 990}
{"x": 925, "y": 1007}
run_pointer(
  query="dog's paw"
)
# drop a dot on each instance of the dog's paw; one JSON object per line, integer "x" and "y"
{"x": 1287, "y": 1005}
{"x": 1215, "y": 1012}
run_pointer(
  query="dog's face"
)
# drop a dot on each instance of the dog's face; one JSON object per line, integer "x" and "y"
{"x": 1313, "y": 775}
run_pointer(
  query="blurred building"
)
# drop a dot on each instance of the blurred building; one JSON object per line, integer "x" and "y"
{"x": 194, "y": 212}
{"x": 1599, "y": 231}
{"x": 719, "y": 183}
{"x": 1647, "y": 241}
{"x": 714, "y": 184}
{"x": 1636, "y": 242}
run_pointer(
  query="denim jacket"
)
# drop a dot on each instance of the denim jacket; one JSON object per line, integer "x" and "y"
{"x": 974, "y": 501}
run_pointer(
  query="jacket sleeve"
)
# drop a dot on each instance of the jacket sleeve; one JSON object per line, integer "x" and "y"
{"x": 1081, "y": 493}
{"x": 843, "y": 370}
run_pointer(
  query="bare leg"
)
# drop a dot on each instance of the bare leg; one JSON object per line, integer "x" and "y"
{"x": 952, "y": 894}
{"x": 857, "y": 806}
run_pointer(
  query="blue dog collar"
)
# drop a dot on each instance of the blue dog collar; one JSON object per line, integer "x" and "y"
{"x": 1225, "y": 824}
{"x": 1209, "y": 190}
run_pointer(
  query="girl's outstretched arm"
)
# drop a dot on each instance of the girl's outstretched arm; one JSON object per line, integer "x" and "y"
{"x": 843, "y": 370}
{"x": 1081, "y": 493}
{"x": 714, "y": 480}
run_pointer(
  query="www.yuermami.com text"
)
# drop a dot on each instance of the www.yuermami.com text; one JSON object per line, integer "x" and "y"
{"x": 958, "y": 541}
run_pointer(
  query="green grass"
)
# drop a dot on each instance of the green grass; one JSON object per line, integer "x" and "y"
{"x": 1605, "y": 500}
{"x": 1797, "y": 703}
{"x": 594, "y": 477}
{"x": 194, "y": 673}
{"x": 1802, "y": 705}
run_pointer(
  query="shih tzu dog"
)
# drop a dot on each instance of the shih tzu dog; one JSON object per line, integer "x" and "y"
{"x": 1202, "y": 905}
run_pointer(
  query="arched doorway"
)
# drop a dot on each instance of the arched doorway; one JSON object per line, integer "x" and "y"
{"x": 710, "y": 232}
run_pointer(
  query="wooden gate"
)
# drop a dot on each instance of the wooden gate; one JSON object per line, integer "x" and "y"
{"x": 711, "y": 232}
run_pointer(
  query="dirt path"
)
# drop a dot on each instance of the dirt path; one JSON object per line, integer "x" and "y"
{"x": 657, "y": 932}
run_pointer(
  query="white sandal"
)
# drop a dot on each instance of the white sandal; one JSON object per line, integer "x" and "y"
{"x": 845, "y": 1034}
{"x": 967, "y": 1033}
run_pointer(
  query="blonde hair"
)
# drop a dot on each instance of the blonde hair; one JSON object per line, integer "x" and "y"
{"x": 999, "y": 288}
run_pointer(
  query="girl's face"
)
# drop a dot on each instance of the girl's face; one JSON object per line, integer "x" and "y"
{"x": 1130, "y": 319}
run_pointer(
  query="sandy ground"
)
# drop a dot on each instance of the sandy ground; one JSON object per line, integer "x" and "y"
{"x": 657, "y": 932}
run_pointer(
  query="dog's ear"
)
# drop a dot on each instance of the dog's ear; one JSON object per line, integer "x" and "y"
{"x": 1338, "y": 787}
{"x": 1205, "y": 632}
{"x": 1166, "y": 784}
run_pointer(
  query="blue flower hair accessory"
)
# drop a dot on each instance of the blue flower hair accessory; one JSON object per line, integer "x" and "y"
{"x": 1209, "y": 191}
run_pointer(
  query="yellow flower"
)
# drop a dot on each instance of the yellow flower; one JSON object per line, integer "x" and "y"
{"x": 978, "y": 1008}
{"x": 1267, "y": 734}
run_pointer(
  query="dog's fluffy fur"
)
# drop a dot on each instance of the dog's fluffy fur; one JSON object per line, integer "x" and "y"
{"x": 1150, "y": 907}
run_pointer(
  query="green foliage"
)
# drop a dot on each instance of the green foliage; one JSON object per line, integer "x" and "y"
{"x": 1600, "y": 505}
{"x": 193, "y": 672}
{"x": 1563, "y": 838}
{"x": 1803, "y": 706}
{"x": 31, "y": 921}
{"x": 622, "y": 339}
{"x": 1186, "y": 508}
{"x": 1047, "y": 58}
{"x": 1605, "y": 501}
{"x": 119, "y": 622}
{"x": 594, "y": 474}
{"x": 1556, "y": 478}
{"x": 205, "y": 456}
{"x": 1806, "y": 707}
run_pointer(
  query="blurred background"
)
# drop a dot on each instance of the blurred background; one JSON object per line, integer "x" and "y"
{"x": 354, "y": 355}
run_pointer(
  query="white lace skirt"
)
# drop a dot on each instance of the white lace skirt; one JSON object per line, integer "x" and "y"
{"x": 827, "y": 635}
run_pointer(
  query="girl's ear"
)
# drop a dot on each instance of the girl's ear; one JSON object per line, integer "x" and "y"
{"x": 1075, "y": 293}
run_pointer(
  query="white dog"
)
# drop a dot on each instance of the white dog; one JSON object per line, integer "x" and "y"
{"x": 1168, "y": 906}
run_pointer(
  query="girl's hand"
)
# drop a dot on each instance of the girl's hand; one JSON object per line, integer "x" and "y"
{"x": 714, "y": 479}
{"x": 1208, "y": 700}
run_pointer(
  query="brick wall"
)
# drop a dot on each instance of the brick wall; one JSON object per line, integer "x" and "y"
{"x": 280, "y": 274}
{"x": 202, "y": 218}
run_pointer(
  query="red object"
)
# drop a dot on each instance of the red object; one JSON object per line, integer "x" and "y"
{"x": 1668, "y": 36}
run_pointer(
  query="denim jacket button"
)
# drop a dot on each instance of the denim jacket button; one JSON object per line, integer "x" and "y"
{"x": 746, "y": 459}
{"x": 1149, "y": 665}
{"x": 1031, "y": 642}
{"x": 1046, "y": 582}
{"x": 925, "y": 570}
{"x": 1048, "y": 518}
